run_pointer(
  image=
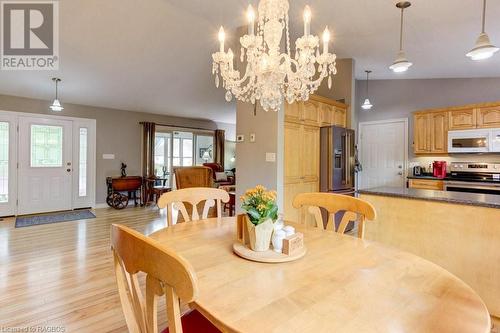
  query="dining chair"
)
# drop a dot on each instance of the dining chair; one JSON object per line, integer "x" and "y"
{"x": 196, "y": 176}
{"x": 153, "y": 191}
{"x": 353, "y": 209}
{"x": 193, "y": 197}
{"x": 167, "y": 274}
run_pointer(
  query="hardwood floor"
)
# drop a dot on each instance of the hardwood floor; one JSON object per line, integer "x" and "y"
{"x": 60, "y": 276}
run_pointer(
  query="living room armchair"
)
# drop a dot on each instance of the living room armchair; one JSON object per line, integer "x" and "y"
{"x": 221, "y": 178}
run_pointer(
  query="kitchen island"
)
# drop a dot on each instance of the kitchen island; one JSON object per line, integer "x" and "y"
{"x": 458, "y": 231}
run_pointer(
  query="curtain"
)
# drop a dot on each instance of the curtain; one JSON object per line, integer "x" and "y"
{"x": 219, "y": 140}
{"x": 148, "y": 149}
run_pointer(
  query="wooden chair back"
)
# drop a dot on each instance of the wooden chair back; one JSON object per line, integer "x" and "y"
{"x": 197, "y": 176}
{"x": 193, "y": 196}
{"x": 353, "y": 208}
{"x": 166, "y": 274}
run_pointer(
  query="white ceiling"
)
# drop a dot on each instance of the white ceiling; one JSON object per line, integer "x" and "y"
{"x": 155, "y": 55}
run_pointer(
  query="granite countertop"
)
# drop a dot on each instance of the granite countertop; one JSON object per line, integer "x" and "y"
{"x": 461, "y": 198}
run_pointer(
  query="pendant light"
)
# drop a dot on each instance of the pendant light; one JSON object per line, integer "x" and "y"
{"x": 367, "y": 105}
{"x": 483, "y": 48}
{"x": 56, "y": 105}
{"x": 401, "y": 64}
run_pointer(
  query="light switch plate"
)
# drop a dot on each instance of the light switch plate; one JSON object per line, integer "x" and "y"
{"x": 240, "y": 138}
{"x": 252, "y": 137}
{"x": 270, "y": 157}
{"x": 108, "y": 156}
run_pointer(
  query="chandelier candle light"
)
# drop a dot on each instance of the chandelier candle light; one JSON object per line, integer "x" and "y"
{"x": 270, "y": 75}
{"x": 401, "y": 64}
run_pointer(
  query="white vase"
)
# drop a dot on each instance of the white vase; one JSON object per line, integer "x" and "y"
{"x": 278, "y": 237}
{"x": 260, "y": 235}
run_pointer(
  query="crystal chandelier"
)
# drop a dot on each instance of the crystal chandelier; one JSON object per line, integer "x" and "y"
{"x": 270, "y": 75}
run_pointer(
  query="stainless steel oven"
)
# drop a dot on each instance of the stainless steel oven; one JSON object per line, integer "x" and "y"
{"x": 472, "y": 187}
{"x": 474, "y": 177}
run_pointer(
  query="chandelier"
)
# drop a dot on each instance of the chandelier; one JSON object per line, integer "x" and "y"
{"x": 270, "y": 75}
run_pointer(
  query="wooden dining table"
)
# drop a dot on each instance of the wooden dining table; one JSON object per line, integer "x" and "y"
{"x": 342, "y": 284}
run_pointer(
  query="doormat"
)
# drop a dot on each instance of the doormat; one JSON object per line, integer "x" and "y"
{"x": 27, "y": 221}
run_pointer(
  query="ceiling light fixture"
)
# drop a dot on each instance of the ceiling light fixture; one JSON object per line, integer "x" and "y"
{"x": 483, "y": 48}
{"x": 56, "y": 105}
{"x": 367, "y": 105}
{"x": 401, "y": 64}
{"x": 272, "y": 75}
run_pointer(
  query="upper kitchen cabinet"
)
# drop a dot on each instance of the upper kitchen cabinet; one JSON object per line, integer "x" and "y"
{"x": 430, "y": 132}
{"x": 317, "y": 111}
{"x": 293, "y": 112}
{"x": 431, "y": 126}
{"x": 327, "y": 115}
{"x": 462, "y": 119}
{"x": 311, "y": 112}
{"x": 439, "y": 132}
{"x": 488, "y": 117}
{"x": 421, "y": 137}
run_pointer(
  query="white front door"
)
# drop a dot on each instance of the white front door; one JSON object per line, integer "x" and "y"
{"x": 45, "y": 165}
{"x": 383, "y": 153}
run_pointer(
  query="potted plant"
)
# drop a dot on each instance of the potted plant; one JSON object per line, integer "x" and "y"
{"x": 261, "y": 212}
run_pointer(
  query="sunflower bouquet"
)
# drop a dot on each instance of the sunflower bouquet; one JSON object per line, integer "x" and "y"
{"x": 260, "y": 205}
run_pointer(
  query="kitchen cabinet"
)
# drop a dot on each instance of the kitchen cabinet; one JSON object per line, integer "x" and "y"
{"x": 327, "y": 115}
{"x": 293, "y": 112}
{"x": 311, "y": 113}
{"x": 488, "y": 117}
{"x": 420, "y": 134}
{"x": 426, "y": 184}
{"x": 301, "y": 153}
{"x": 340, "y": 117}
{"x": 430, "y": 127}
{"x": 462, "y": 119}
{"x": 430, "y": 133}
{"x": 302, "y": 149}
{"x": 439, "y": 132}
{"x": 317, "y": 111}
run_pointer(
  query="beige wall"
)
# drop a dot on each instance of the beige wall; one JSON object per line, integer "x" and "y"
{"x": 118, "y": 133}
{"x": 251, "y": 166}
{"x": 343, "y": 87}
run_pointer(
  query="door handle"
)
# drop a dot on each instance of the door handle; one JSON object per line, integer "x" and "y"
{"x": 69, "y": 170}
{"x": 400, "y": 173}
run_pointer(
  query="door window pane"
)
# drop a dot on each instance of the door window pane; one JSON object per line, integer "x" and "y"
{"x": 82, "y": 170}
{"x": 159, "y": 154}
{"x": 46, "y": 146}
{"x": 4, "y": 162}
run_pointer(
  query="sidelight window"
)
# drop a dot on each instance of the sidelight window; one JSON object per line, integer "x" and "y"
{"x": 4, "y": 162}
{"x": 82, "y": 166}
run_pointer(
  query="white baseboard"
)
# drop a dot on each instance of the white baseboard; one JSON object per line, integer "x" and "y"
{"x": 101, "y": 205}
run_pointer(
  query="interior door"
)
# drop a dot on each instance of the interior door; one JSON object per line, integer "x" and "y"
{"x": 45, "y": 165}
{"x": 383, "y": 154}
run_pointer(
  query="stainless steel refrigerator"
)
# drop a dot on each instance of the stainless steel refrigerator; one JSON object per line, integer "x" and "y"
{"x": 337, "y": 160}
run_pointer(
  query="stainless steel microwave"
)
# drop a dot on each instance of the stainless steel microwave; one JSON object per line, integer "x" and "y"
{"x": 474, "y": 141}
